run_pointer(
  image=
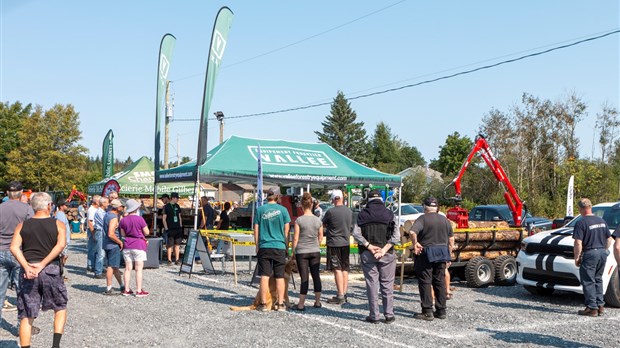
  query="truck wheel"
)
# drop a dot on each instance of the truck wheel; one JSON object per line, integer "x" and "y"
{"x": 534, "y": 290}
{"x": 479, "y": 272}
{"x": 612, "y": 295}
{"x": 505, "y": 270}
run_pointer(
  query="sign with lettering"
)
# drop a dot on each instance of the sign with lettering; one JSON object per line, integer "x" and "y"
{"x": 292, "y": 157}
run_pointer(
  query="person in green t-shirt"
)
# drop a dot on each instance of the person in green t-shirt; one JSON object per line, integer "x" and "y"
{"x": 271, "y": 226}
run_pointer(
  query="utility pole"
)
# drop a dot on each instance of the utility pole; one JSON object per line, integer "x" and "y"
{"x": 178, "y": 150}
{"x": 220, "y": 118}
{"x": 167, "y": 128}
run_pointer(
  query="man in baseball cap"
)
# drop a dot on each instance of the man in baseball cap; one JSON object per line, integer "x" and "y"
{"x": 337, "y": 224}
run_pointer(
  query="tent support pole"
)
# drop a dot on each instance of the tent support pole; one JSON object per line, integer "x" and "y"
{"x": 402, "y": 260}
{"x": 196, "y": 198}
{"x": 155, "y": 209}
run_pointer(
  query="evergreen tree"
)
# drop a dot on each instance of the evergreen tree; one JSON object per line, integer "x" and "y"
{"x": 342, "y": 132}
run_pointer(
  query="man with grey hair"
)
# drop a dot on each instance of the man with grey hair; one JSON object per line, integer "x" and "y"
{"x": 90, "y": 232}
{"x": 376, "y": 235}
{"x": 98, "y": 236}
{"x": 12, "y": 213}
{"x": 433, "y": 241}
{"x": 37, "y": 244}
{"x": 592, "y": 241}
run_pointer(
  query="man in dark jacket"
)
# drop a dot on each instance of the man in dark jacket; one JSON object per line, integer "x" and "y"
{"x": 376, "y": 235}
{"x": 433, "y": 239}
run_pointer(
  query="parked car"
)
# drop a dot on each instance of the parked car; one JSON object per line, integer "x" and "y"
{"x": 546, "y": 261}
{"x": 407, "y": 212}
{"x": 501, "y": 212}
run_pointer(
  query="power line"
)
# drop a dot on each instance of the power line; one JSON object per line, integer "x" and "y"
{"x": 299, "y": 41}
{"x": 445, "y": 77}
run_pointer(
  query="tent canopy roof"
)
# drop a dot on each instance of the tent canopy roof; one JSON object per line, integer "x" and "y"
{"x": 284, "y": 163}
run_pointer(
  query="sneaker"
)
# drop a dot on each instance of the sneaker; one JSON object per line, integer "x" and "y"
{"x": 601, "y": 311}
{"x": 177, "y": 262}
{"x": 110, "y": 292}
{"x": 337, "y": 300}
{"x": 389, "y": 320}
{"x": 371, "y": 320}
{"x": 99, "y": 276}
{"x": 7, "y": 307}
{"x": 262, "y": 308}
{"x": 142, "y": 293}
{"x": 169, "y": 263}
{"x": 588, "y": 312}
{"x": 439, "y": 314}
{"x": 281, "y": 307}
{"x": 424, "y": 316}
{"x": 127, "y": 292}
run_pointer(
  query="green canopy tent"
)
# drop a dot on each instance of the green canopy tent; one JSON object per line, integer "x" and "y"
{"x": 138, "y": 179}
{"x": 285, "y": 163}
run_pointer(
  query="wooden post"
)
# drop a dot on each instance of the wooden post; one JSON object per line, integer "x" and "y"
{"x": 234, "y": 255}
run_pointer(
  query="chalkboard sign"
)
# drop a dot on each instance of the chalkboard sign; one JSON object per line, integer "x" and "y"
{"x": 195, "y": 244}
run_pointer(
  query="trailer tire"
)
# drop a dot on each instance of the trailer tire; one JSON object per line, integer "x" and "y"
{"x": 479, "y": 272}
{"x": 612, "y": 295}
{"x": 505, "y": 270}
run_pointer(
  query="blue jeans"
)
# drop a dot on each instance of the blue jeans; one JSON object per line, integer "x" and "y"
{"x": 591, "y": 274}
{"x": 90, "y": 258}
{"x": 98, "y": 252}
{"x": 9, "y": 272}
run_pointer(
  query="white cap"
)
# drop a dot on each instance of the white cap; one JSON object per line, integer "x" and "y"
{"x": 336, "y": 194}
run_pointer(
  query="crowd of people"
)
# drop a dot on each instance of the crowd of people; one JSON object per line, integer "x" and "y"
{"x": 34, "y": 239}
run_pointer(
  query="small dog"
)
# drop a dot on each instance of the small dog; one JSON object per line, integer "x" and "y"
{"x": 290, "y": 268}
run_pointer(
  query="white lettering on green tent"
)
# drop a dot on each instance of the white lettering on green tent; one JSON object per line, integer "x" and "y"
{"x": 292, "y": 157}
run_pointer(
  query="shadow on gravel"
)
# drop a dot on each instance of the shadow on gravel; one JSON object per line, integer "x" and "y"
{"x": 8, "y": 343}
{"x": 76, "y": 270}
{"x": 88, "y": 288}
{"x": 227, "y": 300}
{"x": 534, "y": 338}
{"x": 206, "y": 287}
{"x": 525, "y": 306}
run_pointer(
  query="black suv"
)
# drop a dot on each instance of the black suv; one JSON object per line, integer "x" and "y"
{"x": 500, "y": 212}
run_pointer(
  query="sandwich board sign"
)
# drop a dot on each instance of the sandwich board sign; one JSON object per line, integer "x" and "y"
{"x": 195, "y": 244}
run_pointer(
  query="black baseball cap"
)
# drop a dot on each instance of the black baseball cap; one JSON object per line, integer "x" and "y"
{"x": 174, "y": 195}
{"x": 165, "y": 195}
{"x": 14, "y": 186}
{"x": 374, "y": 194}
{"x": 430, "y": 201}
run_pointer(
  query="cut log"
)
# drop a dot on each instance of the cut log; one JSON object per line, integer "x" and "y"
{"x": 468, "y": 255}
{"x": 487, "y": 224}
{"x": 487, "y": 236}
{"x": 486, "y": 246}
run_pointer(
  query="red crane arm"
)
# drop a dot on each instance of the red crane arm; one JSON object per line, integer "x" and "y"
{"x": 515, "y": 204}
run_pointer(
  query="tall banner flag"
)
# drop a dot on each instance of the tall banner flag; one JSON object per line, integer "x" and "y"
{"x": 570, "y": 195}
{"x": 219, "y": 38}
{"x": 107, "y": 155}
{"x": 259, "y": 180}
{"x": 166, "y": 49}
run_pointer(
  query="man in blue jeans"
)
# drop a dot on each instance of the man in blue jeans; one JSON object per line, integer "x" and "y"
{"x": 592, "y": 242}
{"x": 98, "y": 237}
{"x": 90, "y": 232}
{"x": 12, "y": 213}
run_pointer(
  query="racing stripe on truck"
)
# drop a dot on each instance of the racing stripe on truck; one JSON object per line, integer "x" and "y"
{"x": 539, "y": 261}
{"x": 549, "y": 263}
{"x": 557, "y": 240}
{"x": 547, "y": 238}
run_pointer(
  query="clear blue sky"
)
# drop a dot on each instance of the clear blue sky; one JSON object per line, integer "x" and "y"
{"x": 101, "y": 56}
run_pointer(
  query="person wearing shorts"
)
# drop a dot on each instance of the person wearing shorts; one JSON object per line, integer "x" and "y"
{"x": 37, "y": 245}
{"x": 337, "y": 223}
{"x": 135, "y": 230}
{"x": 271, "y": 226}
{"x": 112, "y": 245}
{"x": 173, "y": 225}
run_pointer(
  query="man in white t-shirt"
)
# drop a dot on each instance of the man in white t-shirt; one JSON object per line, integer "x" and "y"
{"x": 90, "y": 232}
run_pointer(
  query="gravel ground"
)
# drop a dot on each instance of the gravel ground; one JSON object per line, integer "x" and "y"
{"x": 184, "y": 312}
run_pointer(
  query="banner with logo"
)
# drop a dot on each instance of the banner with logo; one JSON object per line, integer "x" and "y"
{"x": 570, "y": 195}
{"x": 219, "y": 39}
{"x": 166, "y": 49}
{"x": 107, "y": 155}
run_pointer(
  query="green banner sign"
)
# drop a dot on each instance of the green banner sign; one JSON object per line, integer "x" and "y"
{"x": 166, "y": 49}
{"x": 107, "y": 155}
